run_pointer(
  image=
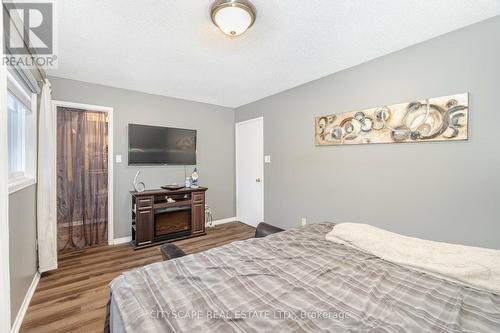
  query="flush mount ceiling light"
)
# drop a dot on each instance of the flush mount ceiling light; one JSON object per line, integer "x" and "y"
{"x": 233, "y": 17}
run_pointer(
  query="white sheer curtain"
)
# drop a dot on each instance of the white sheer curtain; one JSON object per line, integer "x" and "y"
{"x": 46, "y": 189}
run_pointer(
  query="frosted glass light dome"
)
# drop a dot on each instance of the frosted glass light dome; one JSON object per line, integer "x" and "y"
{"x": 233, "y": 17}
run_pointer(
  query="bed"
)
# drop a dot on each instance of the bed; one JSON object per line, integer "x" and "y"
{"x": 295, "y": 281}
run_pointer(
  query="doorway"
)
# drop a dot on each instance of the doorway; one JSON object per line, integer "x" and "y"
{"x": 84, "y": 176}
{"x": 250, "y": 171}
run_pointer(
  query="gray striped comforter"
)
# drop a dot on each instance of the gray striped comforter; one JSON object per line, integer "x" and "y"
{"x": 294, "y": 281}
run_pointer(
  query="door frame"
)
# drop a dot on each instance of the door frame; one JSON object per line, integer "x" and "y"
{"x": 261, "y": 120}
{"x": 109, "y": 111}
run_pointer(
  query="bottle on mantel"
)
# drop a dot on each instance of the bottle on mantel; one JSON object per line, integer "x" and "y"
{"x": 194, "y": 179}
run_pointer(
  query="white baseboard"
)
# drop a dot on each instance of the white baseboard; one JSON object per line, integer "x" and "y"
{"x": 122, "y": 240}
{"x": 26, "y": 302}
{"x": 222, "y": 221}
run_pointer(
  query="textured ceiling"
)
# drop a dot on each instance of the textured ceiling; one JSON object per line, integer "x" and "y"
{"x": 171, "y": 48}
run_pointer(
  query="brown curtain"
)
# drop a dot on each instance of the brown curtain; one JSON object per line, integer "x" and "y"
{"x": 82, "y": 178}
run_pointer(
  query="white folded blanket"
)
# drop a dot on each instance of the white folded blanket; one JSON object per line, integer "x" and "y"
{"x": 473, "y": 266}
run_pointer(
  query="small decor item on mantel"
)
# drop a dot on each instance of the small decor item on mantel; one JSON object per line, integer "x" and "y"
{"x": 194, "y": 179}
{"x": 434, "y": 119}
{"x": 172, "y": 187}
{"x": 138, "y": 186}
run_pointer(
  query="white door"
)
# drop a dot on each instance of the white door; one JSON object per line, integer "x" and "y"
{"x": 249, "y": 171}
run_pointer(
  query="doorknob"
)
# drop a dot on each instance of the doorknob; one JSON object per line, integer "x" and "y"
{"x": 258, "y": 180}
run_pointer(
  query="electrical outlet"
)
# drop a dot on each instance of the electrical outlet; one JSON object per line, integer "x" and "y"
{"x": 118, "y": 158}
{"x": 303, "y": 221}
{"x": 267, "y": 158}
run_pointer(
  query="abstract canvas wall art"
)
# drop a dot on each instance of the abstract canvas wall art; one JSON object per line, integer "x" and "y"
{"x": 434, "y": 119}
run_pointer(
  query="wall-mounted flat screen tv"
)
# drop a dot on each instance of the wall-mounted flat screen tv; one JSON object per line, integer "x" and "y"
{"x": 153, "y": 145}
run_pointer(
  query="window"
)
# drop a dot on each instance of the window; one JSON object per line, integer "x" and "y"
{"x": 21, "y": 132}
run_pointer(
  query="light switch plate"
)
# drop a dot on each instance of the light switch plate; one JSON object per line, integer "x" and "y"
{"x": 118, "y": 158}
{"x": 267, "y": 158}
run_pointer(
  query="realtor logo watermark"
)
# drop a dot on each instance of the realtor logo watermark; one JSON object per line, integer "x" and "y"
{"x": 30, "y": 34}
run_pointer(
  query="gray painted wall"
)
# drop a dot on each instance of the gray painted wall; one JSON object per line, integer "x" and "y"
{"x": 215, "y": 147}
{"x": 442, "y": 191}
{"x": 22, "y": 245}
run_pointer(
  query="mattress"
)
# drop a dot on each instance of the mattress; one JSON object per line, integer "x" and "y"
{"x": 294, "y": 281}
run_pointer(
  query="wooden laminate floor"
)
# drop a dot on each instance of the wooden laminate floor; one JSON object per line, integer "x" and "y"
{"x": 73, "y": 297}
